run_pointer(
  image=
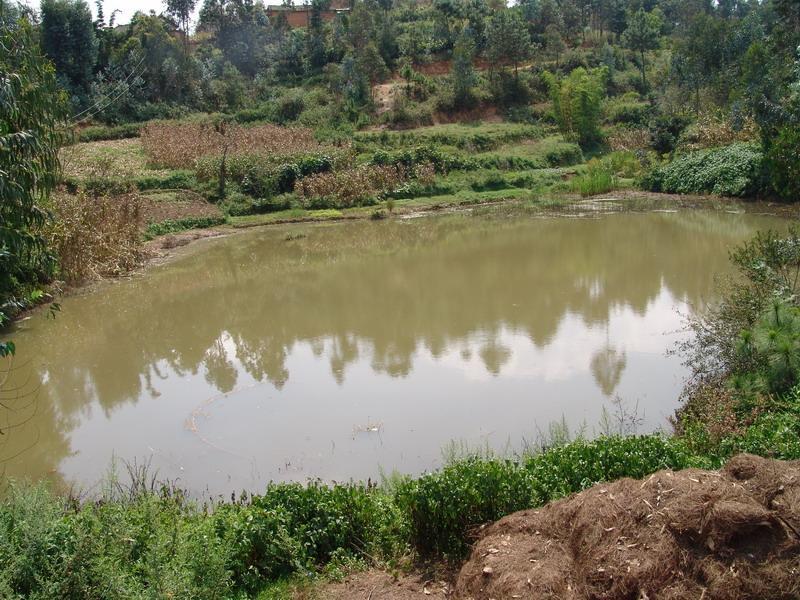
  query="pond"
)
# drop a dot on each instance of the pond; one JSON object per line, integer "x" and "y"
{"x": 349, "y": 350}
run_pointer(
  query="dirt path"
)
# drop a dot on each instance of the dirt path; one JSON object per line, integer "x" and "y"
{"x": 379, "y": 585}
{"x": 384, "y": 95}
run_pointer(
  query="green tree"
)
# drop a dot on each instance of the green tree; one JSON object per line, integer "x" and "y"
{"x": 463, "y": 74}
{"x": 577, "y": 102}
{"x": 32, "y": 111}
{"x": 508, "y": 42}
{"x": 642, "y": 34}
{"x": 553, "y": 43}
{"x": 316, "y": 51}
{"x": 68, "y": 39}
{"x": 182, "y": 11}
{"x": 370, "y": 63}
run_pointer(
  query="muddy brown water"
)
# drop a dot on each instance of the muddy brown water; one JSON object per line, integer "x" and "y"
{"x": 348, "y": 350}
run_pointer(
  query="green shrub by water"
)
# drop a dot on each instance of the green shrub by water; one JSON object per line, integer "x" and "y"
{"x": 734, "y": 170}
{"x": 177, "y": 225}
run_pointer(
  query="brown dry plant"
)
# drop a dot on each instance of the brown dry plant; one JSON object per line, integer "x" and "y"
{"x": 179, "y": 145}
{"x": 350, "y": 187}
{"x": 96, "y": 237}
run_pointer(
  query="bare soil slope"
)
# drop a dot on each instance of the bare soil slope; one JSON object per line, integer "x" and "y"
{"x": 690, "y": 534}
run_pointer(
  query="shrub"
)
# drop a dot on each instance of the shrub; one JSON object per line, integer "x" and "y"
{"x": 627, "y": 111}
{"x": 177, "y": 225}
{"x": 262, "y": 176}
{"x": 734, "y": 170}
{"x": 783, "y": 163}
{"x": 493, "y": 181}
{"x": 665, "y": 131}
{"x": 445, "y": 508}
{"x": 102, "y": 132}
{"x": 409, "y": 158}
{"x": 175, "y": 180}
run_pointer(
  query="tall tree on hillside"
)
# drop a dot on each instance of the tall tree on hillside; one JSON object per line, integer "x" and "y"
{"x": 643, "y": 34}
{"x": 507, "y": 39}
{"x": 31, "y": 121}
{"x": 68, "y": 39}
{"x": 181, "y": 10}
{"x": 316, "y": 50}
{"x": 463, "y": 74}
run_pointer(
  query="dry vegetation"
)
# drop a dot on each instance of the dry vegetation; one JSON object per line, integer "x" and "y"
{"x": 711, "y": 131}
{"x": 96, "y": 237}
{"x": 179, "y": 145}
{"x": 350, "y": 187}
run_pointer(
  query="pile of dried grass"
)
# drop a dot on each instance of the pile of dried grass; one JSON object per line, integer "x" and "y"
{"x": 727, "y": 535}
{"x": 179, "y": 145}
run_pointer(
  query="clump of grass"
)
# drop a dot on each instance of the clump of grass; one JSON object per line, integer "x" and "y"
{"x": 597, "y": 178}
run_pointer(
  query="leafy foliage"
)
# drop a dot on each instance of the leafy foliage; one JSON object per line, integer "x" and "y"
{"x": 577, "y": 102}
{"x": 31, "y": 113}
{"x": 735, "y": 170}
{"x": 783, "y": 163}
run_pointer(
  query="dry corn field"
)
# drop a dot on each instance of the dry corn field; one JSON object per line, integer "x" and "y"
{"x": 178, "y": 146}
{"x": 350, "y": 187}
{"x": 96, "y": 237}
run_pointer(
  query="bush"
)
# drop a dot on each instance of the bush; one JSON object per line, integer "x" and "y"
{"x": 102, "y": 132}
{"x": 665, "y": 131}
{"x": 175, "y": 180}
{"x": 627, "y": 110}
{"x": 445, "y": 508}
{"x": 735, "y": 170}
{"x": 177, "y": 225}
{"x": 262, "y": 176}
{"x": 410, "y": 158}
{"x": 783, "y": 163}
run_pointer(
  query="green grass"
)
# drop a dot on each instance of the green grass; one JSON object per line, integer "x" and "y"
{"x": 478, "y": 136}
{"x": 115, "y": 158}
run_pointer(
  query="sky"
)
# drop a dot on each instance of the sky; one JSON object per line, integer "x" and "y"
{"x": 127, "y": 9}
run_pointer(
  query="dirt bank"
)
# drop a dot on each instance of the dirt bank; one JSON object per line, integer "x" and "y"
{"x": 692, "y": 534}
{"x": 730, "y": 534}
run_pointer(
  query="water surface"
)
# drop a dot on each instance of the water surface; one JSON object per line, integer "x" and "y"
{"x": 340, "y": 350}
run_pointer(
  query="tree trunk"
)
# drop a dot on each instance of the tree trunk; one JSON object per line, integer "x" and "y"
{"x": 644, "y": 77}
